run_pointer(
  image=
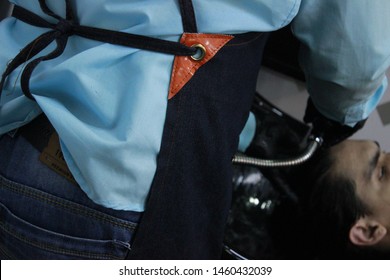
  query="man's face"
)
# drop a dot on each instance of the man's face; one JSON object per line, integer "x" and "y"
{"x": 369, "y": 168}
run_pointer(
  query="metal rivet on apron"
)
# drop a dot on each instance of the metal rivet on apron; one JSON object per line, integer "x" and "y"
{"x": 200, "y": 52}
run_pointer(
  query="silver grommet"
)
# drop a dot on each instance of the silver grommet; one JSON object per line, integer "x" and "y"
{"x": 200, "y": 52}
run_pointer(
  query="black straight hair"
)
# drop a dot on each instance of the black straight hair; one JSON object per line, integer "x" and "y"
{"x": 330, "y": 205}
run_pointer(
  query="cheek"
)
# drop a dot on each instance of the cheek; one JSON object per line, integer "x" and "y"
{"x": 380, "y": 202}
{"x": 386, "y": 195}
{"x": 374, "y": 197}
{"x": 383, "y": 190}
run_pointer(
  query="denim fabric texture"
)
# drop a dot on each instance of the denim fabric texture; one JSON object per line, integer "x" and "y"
{"x": 191, "y": 193}
{"x": 45, "y": 216}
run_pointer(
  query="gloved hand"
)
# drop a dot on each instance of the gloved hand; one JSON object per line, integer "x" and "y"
{"x": 332, "y": 132}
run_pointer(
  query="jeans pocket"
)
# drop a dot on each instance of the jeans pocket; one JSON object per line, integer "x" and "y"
{"x": 38, "y": 225}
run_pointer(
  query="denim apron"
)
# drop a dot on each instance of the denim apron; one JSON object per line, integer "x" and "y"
{"x": 191, "y": 193}
{"x": 212, "y": 86}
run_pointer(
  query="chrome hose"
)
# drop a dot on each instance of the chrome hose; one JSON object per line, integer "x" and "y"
{"x": 312, "y": 147}
{"x": 233, "y": 253}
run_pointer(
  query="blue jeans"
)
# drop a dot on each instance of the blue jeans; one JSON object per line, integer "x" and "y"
{"x": 45, "y": 216}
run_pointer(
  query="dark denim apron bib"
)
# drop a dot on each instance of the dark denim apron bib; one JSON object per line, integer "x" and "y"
{"x": 191, "y": 194}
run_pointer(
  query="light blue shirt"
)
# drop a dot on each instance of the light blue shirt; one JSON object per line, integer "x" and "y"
{"x": 108, "y": 102}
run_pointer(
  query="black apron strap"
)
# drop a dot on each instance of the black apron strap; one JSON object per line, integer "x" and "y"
{"x": 188, "y": 16}
{"x": 68, "y": 26}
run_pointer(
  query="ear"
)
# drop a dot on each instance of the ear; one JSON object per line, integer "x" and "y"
{"x": 367, "y": 232}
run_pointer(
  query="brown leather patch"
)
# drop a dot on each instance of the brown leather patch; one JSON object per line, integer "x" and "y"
{"x": 52, "y": 156}
{"x": 184, "y": 67}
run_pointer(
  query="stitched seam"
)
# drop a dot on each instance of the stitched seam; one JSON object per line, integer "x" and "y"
{"x": 173, "y": 74}
{"x": 245, "y": 43}
{"x": 7, "y": 254}
{"x": 54, "y": 249}
{"x": 206, "y": 35}
{"x": 184, "y": 79}
{"x": 172, "y": 141}
{"x": 71, "y": 206}
{"x": 208, "y": 57}
{"x": 289, "y": 14}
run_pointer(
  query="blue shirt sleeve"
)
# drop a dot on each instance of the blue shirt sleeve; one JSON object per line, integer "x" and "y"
{"x": 345, "y": 54}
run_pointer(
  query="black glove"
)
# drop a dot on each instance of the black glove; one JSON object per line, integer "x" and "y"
{"x": 330, "y": 131}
